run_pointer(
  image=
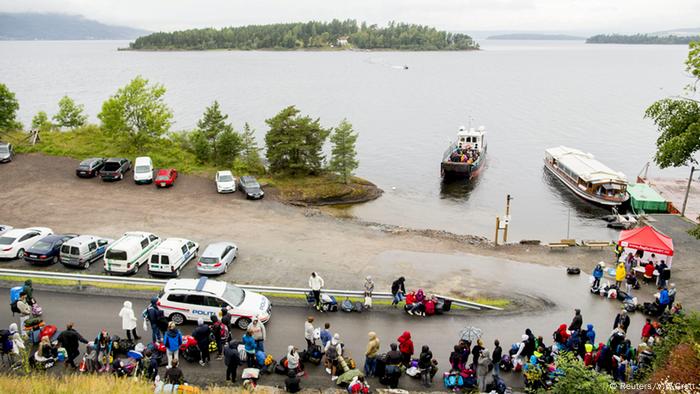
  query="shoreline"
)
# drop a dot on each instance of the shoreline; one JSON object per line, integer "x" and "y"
{"x": 293, "y": 50}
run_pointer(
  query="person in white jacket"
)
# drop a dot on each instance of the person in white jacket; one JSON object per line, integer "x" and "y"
{"x": 517, "y": 358}
{"x": 129, "y": 321}
{"x": 17, "y": 344}
{"x": 316, "y": 284}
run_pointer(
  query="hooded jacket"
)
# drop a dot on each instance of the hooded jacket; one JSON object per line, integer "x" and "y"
{"x": 153, "y": 313}
{"x": 231, "y": 356}
{"x": 71, "y": 339}
{"x": 172, "y": 340}
{"x": 405, "y": 343}
{"x": 372, "y": 345}
{"x": 202, "y": 334}
{"x": 292, "y": 358}
{"x": 426, "y": 358}
{"x": 663, "y": 297}
{"x": 598, "y": 272}
{"x": 576, "y": 322}
{"x": 316, "y": 283}
{"x": 622, "y": 319}
{"x": 16, "y": 338}
{"x": 482, "y": 367}
{"x": 590, "y": 333}
{"x": 250, "y": 345}
{"x": 128, "y": 317}
{"x": 620, "y": 272}
{"x": 259, "y": 333}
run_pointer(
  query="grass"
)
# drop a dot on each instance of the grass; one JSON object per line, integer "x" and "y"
{"x": 65, "y": 282}
{"x": 323, "y": 189}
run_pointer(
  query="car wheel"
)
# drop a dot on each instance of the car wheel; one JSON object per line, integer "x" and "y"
{"x": 226, "y": 268}
{"x": 121, "y": 176}
{"x": 242, "y": 323}
{"x": 177, "y": 318}
{"x": 177, "y": 272}
{"x": 20, "y": 253}
{"x": 86, "y": 265}
{"x": 136, "y": 271}
{"x": 54, "y": 260}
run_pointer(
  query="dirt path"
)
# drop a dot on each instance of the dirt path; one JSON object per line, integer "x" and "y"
{"x": 279, "y": 244}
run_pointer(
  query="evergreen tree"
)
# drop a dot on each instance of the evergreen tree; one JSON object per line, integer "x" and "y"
{"x": 70, "y": 114}
{"x": 213, "y": 123}
{"x": 295, "y": 143}
{"x": 41, "y": 122}
{"x": 200, "y": 146}
{"x": 8, "y": 109}
{"x": 251, "y": 153}
{"x": 229, "y": 146}
{"x": 343, "y": 160}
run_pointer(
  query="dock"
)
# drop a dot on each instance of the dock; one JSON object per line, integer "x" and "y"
{"x": 673, "y": 190}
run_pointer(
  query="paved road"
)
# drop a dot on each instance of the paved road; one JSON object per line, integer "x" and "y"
{"x": 92, "y": 313}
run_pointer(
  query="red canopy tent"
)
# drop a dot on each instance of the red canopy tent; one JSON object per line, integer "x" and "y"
{"x": 647, "y": 239}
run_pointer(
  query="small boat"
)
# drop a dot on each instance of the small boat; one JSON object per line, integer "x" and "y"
{"x": 586, "y": 177}
{"x": 465, "y": 158}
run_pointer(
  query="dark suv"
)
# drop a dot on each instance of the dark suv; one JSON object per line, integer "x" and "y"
{"x": 114, "y": 169}
{"x": 251, "y": 188}
{"x": 89, "y": 168}
{"x": 6, "y": 152}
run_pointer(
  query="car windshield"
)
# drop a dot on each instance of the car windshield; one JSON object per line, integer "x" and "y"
{"x": 42, "y": 245}
{"x": 4, "y": 149}
{"x": 111, "y": 166}
{"x": 225, "y": 178}
{"x": 162, "y": 178}
{"x": 115, "y": 255}
{"x": 233, "y": 295}
{"x": 142, "y": 169}
{"x": 208, "y": 260}
{"x": 7, "y": 240}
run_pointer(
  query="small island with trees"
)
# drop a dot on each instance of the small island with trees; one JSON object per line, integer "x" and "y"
{"x": 339, "y": 35}
{"x": 641, "y": 39}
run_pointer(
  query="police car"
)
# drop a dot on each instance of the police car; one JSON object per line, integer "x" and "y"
{"x": 190, "y": 299}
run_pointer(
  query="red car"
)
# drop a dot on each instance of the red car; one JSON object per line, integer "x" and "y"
{"x": 166, "y": 177}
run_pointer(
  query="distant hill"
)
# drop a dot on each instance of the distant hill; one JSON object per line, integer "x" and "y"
{"x": 34, "y": 26}
{"x": 641, "y": 39}
{"x": 683, "y": 32}
{"x": 535, "y": 36}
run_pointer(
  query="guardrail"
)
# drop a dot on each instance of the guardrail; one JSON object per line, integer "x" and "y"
{"x": 80, "y": 278}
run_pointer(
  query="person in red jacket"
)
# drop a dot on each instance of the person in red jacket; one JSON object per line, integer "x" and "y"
{"x": 406, "y": 347}
{"x": 648, "y": 331}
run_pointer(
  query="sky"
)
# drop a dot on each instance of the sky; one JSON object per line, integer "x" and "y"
{"x": 594, "y": 16}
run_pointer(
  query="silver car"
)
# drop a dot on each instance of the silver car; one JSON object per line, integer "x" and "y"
{"x": 216, "y": 258}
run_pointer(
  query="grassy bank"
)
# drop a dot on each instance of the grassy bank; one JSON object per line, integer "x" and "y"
{"x": 324, "y": 189}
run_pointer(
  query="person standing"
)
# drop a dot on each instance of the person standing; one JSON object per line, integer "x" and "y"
{"x": 620, "y": 274}
{"x": 629, "y": 262}
{"x": 70, "y": 339}
{"x": 232, "y": 361}
{"x": 172, "y": 342}
{"x": 220, "y": 332}
{"x": 598, "y": 274}
{"x": 309, "y": 332}
{"x": 250, "y": 347}
{"x": 174, "y": 374}
{"x": 17, "y": 345}
{"x": 25, "y": 311}
{"x": 664, "y": 300}
{"x": 671, "y": 296}
{"x": 664, "y": 273}
{"x": 630, "y": 281}
{"x": 425, "y": 364}
{"x": 326, "y": 334}
{"x": 406, "y": 348}
{"x": 202, "y": 335}
{"x": 316, "y": 284}
{"x": 648, "y": 331}
{"x": 496, "y": 357}
{"x": 369, "y": 289}
{"x": 153, "y": 313}
{"x": 577, "y": 321}
{"x": 129, "y": 321}
{"x": 371, "y": 354}
{"x": 28, "y": 289}
{"x": 259, "y": 333}
{"x": 292, "y": 384}
{"x": 622, "y": 320}
{"x": 590, "y": 334}
{"x": 226, "y": 319}
{"x": 482, "y": 368}
{"x": 476, "y": 352}
{"x": 398, "y": 290}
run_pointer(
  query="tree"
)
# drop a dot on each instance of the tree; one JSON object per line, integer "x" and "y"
{"x": 200, "y": 146}
{"x": 250, "y": 159}
{"x": 295, "y": 143}
{"x": 70, "y": 114}
{"x": 229, "y": 146}
{"x": 576, "y": 378}
{"x": 343, "y": 159}
{"x": 138, "y": 112}
{"x": 678, "y": 120}
{"x": 8, "y": 109}
{"x": 213, "y": 123}
{"x": 41, "y": 122}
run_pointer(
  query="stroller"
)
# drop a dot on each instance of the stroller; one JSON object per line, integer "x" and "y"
{"x": 328, "y": 302}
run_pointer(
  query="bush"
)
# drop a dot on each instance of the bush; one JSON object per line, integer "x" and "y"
{"x": 579, "y": 379}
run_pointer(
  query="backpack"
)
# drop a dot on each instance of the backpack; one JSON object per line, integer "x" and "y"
{"x": 37, "y": 310}
{"x": 14, "y": 297}
{"x": 14, "y": 308}
{"x": 346, "y": 305}
{"x": 332, "y": 353}
{"x": 429, "y": 308}
{"x": 315, "y": 354}
{"x": 358, "y": 307}
{"x": 5, "y": 342}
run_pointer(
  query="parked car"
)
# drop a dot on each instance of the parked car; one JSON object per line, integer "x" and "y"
{"x": 190, "y": 299}
{"x": 83, "y": 250}
{"x": 166, "y": 177}
{"x": 47, "y": 249}
{"x": 216, "y": 258}
{"x": 225, "y": 182}
{"x": 15, "y": 242}
{"x": 171, "y": 256}
{"x": 129, "y": 252}
{"x": 89, "y": 168}
{"x": 251, "y": 188}
{"x": 4, "y": 228}
{"x": 114, "y": 169}
{"x": 7, "y": 153}
{"x": 143, "y": 170}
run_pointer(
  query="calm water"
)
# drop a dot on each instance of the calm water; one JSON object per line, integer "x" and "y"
{"x": 530, "y": 95}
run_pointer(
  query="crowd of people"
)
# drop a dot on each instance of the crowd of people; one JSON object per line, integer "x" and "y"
{"x": 472, "y": 364}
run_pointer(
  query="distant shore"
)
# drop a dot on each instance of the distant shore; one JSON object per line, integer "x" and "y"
{"x": 324, "y": 49}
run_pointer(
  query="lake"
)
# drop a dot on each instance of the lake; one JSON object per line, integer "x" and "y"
{"x": 530, "y": 95}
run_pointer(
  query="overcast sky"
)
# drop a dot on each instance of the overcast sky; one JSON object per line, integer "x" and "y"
{"x": 463, "y": 15}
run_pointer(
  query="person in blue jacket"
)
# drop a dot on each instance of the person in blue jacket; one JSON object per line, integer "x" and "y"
{"x": 590, "y": 334}
{"x": 172, "y": 342}
{"x": 250, "y": 348}
{"x": 663, "y": 298}
{"x": 152, "y": 314}
{"x": 597, "y": 274}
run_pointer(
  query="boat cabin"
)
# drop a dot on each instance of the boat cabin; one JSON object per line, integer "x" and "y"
{"x": 472, "y": 138}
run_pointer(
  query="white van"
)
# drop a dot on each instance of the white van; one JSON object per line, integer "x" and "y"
{"x": 83, "y": 250}
{"x": 190, "y": 299}
{"x": 143, "y": 170}
{"x": 171, "y": 256}
{"x": 129, "y": 252}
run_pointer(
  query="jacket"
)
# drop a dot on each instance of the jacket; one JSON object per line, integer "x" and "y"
{"x": 16, "y": 338}
{"x": 308, "y": 331}
{"x": 649, "y": 270}
{"x": 24, "y": 308}
{"x": 576, "y": 323}
{"x": 259, "y": 333}
{"x": 396, "y": 286}
{"x": 128, "y": 317}
{"x": 425, "y": 359}
{"x": 393, "y": 357}
{"x": 202, "y": 335}
{"x": 482, "y": 367}
{"x": 316, "y": 283}
{"x": 405, "y": 343}
{"x": 71, "y": 339}
{"x": 497, "y": 354}
{"x": 292, "y": 358}
{"x": 250, "y": 345}
{"x": 590, "y": 333}
{"x": 231, "y": 356}
{"x": 326, "y": 336}
{"x": 598, "y": 272}
{"x": 172, "y": 340}
{"x": 623, "y": 320}
{"x": 174, "y": 376}
{"x": 372, "y": 346}
{"x": 153, "y": 313}
{"x": 663, "y": 297}
{"x": 620, "y": 272}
